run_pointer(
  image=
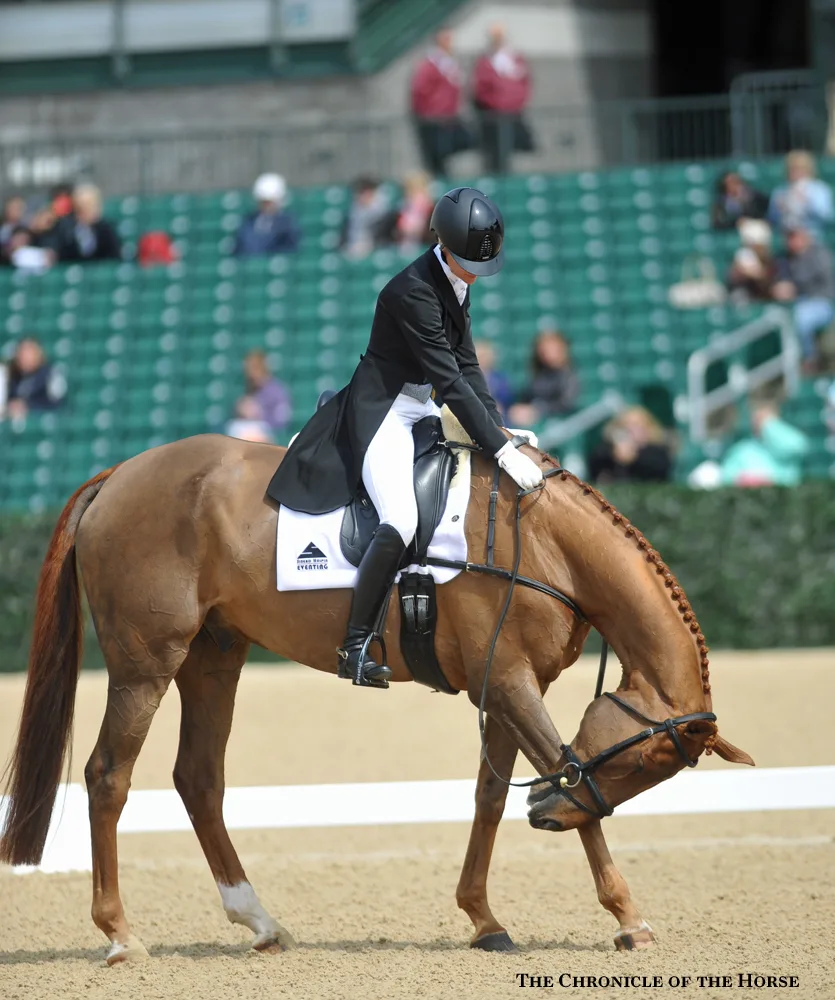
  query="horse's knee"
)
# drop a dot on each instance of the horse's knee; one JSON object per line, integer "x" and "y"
{"x": 490, "y": 804}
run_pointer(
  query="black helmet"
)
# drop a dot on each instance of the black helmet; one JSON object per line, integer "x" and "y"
{"x": 471, "y": 228}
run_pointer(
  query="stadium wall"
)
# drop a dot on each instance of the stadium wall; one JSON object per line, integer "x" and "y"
{"x": 582, "y": 52}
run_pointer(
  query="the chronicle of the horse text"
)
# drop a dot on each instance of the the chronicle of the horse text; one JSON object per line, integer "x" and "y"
{"x": 736, "y": 980}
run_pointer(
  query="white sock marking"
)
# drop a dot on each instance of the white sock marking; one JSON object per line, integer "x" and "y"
{"x": 243, "y": 907}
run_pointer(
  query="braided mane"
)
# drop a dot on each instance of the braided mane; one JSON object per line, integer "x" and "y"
{"x": 652, "y": 556}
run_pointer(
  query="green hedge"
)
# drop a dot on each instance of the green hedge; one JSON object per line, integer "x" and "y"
{"x": 757, "y": 565}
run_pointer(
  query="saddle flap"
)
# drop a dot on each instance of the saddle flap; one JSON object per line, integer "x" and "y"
{"x": 433, "y": 471}
{"x": 359, "y": 523}
{"x": 427, "y": 435}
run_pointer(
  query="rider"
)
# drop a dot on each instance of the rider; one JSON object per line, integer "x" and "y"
{"x": 421, "y": 341}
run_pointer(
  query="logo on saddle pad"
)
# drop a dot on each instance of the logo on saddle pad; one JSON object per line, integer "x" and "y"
{"x": 312, "y": 558}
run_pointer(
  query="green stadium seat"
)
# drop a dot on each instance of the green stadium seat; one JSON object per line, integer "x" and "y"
{"x": 156, "y": 354}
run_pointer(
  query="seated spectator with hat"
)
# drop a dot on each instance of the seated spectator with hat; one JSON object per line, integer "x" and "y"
{"x": 271, "y": 228}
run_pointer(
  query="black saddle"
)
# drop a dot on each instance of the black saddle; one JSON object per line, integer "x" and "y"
{"x": 433, "y": 472}
{"x": 434, "y": 468}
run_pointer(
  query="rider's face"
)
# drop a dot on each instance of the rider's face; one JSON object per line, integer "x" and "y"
{"x": 457, "y": 270}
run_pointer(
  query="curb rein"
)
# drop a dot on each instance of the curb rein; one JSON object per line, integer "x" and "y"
{"x": 575, "y": 772}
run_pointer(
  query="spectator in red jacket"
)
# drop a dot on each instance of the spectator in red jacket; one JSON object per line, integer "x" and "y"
{"x": 436, "y": 105}
{"x": 501, "y": 91}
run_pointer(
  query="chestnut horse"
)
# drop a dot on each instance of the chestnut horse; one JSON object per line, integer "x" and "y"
{"x": 176, "y": 549}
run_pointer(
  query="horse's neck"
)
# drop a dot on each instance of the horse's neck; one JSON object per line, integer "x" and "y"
{"x": 624, "y": 595}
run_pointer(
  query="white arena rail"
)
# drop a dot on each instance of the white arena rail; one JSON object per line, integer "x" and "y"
{"x": 385, "y": 803}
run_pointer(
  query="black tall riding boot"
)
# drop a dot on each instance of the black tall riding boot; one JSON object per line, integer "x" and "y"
{"x": 375, "y": 576}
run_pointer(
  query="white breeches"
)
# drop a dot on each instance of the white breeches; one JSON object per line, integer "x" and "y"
{"x": 387, "y": 469}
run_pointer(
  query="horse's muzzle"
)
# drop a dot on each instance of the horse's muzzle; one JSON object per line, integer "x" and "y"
{"x": 544, "y": 807}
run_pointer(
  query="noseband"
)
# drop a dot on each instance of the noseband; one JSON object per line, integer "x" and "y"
{"x": 575, "y": 772}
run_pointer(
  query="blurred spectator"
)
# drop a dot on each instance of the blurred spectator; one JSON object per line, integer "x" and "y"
{"x": 735, "y": 200}
{"x": 634, "y": 448}
{"x": 155, "y": 249}
{"x": 60, "y": 199}
{"x": 21, "y": 253}
{"x": 415, "y": 212}
{"x": 554, "y": 386}
{"x": 271, "y": 228}
{"x": 501, "y": 90}
{"x": 43, "y": 224}
{"x": 753, "y": 270}
{"x": 83, "y": 235}
{"x": 805, "y": 277}
{"x": 31, "y": 382}
{"x": 772, "y": 456}
{"x": 497, "y": 382}
{"x": 271, "y": 398}
{"x": 369, "y": 221}
{"x": 247, "y": 424}
{"x": 14, "y": 211}
{"x": 436, "y": 105}
{"x": 804, "y": 202}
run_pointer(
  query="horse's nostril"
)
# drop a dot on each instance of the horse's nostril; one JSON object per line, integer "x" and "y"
{"x": 550, "y": 825}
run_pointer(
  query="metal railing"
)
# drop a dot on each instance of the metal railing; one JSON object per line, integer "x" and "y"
{"x": 741, "y": 378}
{"x": 803, "y": 105}
{"x": 558, "y": 431}
{"x": 336, "y": 150}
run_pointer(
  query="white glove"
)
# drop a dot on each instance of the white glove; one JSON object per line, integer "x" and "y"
{"x": 529, "y": 436}
{"x": 525, "y": 473}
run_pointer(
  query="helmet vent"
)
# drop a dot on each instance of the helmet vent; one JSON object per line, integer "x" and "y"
{"x": 485, "y": 251}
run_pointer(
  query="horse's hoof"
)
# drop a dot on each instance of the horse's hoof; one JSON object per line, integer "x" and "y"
{"x": 273, "y": 942}
{"x": 131, "y": 950}
{"x": 640, "y": 937}
{"x": 497, "y": 941}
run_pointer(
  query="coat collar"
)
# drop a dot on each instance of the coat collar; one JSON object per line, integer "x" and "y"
{"x": 441, "y": 282}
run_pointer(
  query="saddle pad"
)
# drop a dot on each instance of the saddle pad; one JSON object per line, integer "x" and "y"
{"x": 309, "y": 557}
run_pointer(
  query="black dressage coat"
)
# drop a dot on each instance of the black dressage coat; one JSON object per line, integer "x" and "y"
{"x": 420, "y": 334}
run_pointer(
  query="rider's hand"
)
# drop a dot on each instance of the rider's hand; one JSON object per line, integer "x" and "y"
{"x": 525, "y": 473}
{"x": 529, "y": 436}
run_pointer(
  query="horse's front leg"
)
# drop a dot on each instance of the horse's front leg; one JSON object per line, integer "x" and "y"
{"x": 613, "y": 892}
{"x": 490, "y": 796}
{"x": 515, "y": 701}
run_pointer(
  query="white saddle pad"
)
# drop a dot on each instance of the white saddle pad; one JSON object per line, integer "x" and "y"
{"x": 309, "y": 557}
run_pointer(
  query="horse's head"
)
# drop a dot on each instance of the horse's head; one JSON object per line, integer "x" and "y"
{"x": 626, "y": 772}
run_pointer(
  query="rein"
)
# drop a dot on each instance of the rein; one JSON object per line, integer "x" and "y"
{"x": 574, "y": 772}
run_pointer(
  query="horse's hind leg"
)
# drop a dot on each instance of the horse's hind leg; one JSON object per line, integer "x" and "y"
{"x": 207, "y": 682}
{"x": 130, "y": 708}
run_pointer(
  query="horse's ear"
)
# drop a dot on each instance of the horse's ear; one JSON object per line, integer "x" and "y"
{"x": 727, "y": 751}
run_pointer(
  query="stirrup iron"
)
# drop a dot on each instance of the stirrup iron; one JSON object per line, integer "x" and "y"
{"x": 362, "y": 677}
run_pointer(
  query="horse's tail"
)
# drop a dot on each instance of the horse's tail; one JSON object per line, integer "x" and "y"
{"x": 54, "y": 659}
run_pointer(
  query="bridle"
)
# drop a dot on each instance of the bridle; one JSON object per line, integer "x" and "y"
{"x": 575, "y": 772}
{"x": 583, "y": 770}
